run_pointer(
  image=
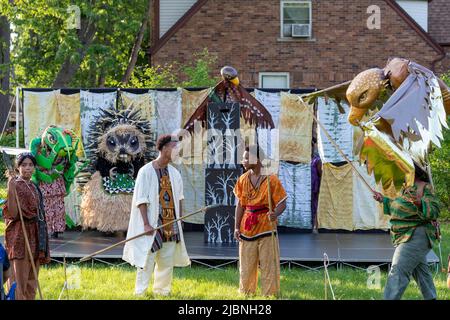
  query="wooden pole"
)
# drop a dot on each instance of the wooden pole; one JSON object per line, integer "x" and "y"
{"x": 145, "y": 233}
{"x": 27, "y": 244}
{"x": 336, "y": 146}
{"x": 273, "y": 225}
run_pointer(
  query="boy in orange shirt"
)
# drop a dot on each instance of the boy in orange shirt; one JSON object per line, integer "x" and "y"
{"x": 254, "y": 224}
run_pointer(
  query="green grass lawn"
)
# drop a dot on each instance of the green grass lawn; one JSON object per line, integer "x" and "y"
{"x": 105, "y": 282}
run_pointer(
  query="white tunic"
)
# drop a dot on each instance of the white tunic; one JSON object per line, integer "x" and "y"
{"x": 146, "y": 190}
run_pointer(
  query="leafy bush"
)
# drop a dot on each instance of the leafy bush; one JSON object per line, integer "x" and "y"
{"x": 198, "y": 72}
{"x": 195, "y": 74}
{"x": 440, "y": 164}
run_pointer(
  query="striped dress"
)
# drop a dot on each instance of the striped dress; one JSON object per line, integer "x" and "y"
{"x": 406, "y": 215}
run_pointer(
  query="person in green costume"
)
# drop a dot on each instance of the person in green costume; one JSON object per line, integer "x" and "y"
{"x": 414, "y": 230}
{"x": 55, "y": 153}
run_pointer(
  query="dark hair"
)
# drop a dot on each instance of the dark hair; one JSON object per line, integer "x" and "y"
{"x": 25, "y": 155}
{"x": 259, "y": 153}
{"x": 163, "y": 140}
{"x": 421, "y": 173}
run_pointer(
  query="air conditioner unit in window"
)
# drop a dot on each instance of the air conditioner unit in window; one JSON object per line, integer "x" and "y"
{"x": 301, "y": 30}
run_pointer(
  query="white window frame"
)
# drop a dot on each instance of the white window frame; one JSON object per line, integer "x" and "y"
{"x": 282, "y": 16}
{"x": 262, "y": 74}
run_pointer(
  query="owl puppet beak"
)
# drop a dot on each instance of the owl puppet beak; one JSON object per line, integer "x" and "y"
{"x": 235, "y": 81}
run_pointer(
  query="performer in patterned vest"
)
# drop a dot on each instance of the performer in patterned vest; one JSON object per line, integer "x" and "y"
{"x": 414, "y": 229}
{"x": 156, "y": 201}
{"x": 254, "y": 224}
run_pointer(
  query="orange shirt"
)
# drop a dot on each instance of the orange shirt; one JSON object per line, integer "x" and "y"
{"x": 255, "y": 222}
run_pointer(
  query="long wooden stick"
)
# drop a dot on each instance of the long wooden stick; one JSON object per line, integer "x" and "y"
{"x": 146, "y": 233}
{"x": 336, "y": 145}
{"x": 8, "y": 163}
{"x": 27, "y": 244}
{"x": 273, "y": 225}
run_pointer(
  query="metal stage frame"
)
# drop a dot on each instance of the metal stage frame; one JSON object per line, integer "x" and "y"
{"x": 305, "y": 250}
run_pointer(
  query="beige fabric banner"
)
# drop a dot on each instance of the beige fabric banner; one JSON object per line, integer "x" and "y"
{"x": 39, "y": 112}
{"x": 68, "y": 115}
{"x": 194, "y": 191}
{"x": 295, "y": 130}
{"x": 190, "y": 100}
{"x": 367, "y": 213}
{"x": 335, "y": 209}
{"x": 143, "y": 101}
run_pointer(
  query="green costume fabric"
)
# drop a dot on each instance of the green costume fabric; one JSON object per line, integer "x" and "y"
{"x": 123, "y": 183}
{"x": 406, "y": 216}
{"x": 55, "y": 153}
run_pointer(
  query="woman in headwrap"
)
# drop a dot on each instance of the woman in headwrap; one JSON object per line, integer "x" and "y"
{"x": 31, "y": 204}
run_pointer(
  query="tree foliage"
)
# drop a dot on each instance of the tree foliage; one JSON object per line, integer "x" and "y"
{"x": 440, "y": 164}
{"x": 43, "y": 43}
{"x": 196, "y": 73}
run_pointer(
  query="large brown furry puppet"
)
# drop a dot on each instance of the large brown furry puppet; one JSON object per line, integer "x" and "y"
{"x": 121, "y": 145}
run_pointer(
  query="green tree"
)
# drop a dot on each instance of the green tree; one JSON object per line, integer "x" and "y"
{"x": 440, "y": 164}
{"x": 196, "y": 73}
{"x": 46, "y": 51}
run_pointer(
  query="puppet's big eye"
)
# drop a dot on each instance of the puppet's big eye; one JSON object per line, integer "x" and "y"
{"x": 111, "y": 142}
{"x": 133, "y": 141}
{"x": 51, "y": 138}
{"x": 363, "y": 96}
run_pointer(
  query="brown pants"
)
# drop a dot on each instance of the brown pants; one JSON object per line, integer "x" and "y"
{"x": 260, "y": 253}
{"x": 24, "y": 277}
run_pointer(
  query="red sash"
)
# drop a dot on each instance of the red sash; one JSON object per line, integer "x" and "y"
{"x": 253, "y": 213}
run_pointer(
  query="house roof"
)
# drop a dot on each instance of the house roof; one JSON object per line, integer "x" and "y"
{"x": 392, "y": 3}
{"x": 439, "y": 21}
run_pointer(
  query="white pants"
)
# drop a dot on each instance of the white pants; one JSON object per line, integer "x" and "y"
{"x": 161, "y": 262}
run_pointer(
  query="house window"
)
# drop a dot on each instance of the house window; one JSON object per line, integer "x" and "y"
{"x": 274, "y": 80}
{"x": 295, "y": 19}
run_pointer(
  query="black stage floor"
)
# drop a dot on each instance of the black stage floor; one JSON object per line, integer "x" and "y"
{"x": 296, "y": 248}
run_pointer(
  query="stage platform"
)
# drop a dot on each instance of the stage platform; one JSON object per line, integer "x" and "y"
{"x": 296, "y": 248}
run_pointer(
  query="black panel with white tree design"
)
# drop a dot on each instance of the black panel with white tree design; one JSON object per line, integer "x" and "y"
{"x": 219, "y": 225}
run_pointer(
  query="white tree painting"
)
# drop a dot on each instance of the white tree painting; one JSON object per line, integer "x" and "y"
{"x": 209, "y": 230}
{"x": 213, "y": 237}
{"x": 213, "y": 120}
{"x": 224, "y": 181}
{"x": 219, "y": 223}
{"x": 219, "y": 230}
{"x": 211, "y": 196}
{"x": 228, "y": 117}
{"x": 215, "y": 148}
{"x": 230, "y": 146}
{"x": 230, "y": 235}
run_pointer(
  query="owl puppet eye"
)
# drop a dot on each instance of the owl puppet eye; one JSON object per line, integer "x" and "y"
{"x": 363, "y": 96}
{"x": 133, "y": 141}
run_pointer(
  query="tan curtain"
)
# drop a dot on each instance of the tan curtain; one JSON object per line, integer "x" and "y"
{"x": 335, "y": 209}
{"x": 143, "y": 101}
{"x": 193, "y": 176}
{"x": 295, "y": 130}
{"x": 190, "y": 101}
{"x": 68, "y": 115}
{"x": 39, "y": 112}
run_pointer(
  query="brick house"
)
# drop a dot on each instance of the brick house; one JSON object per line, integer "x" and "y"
{"x": 301, "y": 43}
{"x": 439, "y": 28}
